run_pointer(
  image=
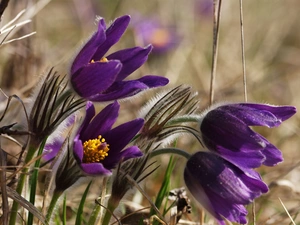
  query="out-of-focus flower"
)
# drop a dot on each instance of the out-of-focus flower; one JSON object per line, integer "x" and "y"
{"x": 151, "y": 31}
{"x": 204, "y": 8}
{"x": 222, "y": 188}
{"x": 97, "y": 147}
{"x": 225, "y": 130}
{"x": 99, "y": 78}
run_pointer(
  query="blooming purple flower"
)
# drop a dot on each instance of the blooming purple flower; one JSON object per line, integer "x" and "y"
{"x": 97, "y": 147}
{"x": 225, "y": 130}
{"x": 222, "y": 188}
{"x": 99, "y": 78}
{"x": 151, "y": 31}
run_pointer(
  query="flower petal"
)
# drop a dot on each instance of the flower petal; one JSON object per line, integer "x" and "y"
{"x": 153, "y": 81}
{"x": 95, "y": 78}
{"x": 232, "y": 212}
{"x": 131, "y": 152}
{"x": 253, "y": 181}
{"x": 102, "y": 123}
{"x": 252, "y": 116}
{"x": 243, "y": 159}
{"x": 131, "y": 59}
{"x": 215, "y": 174}
{"x": 95, "y": 169}
{"x": 258, "y": 114}
{"x": 126, "y": 89}
{"x": 113, "y": 35}
{"x": 89, "y": 114}
{"x": 228, "y": 136}
{"x": 273, "y": 155}
{"x": 51, "y": 149}
{"x": 120, "y": 136}
{"x": 281, "y": 112}
{"x": 116, "y": 157}
{"x": 85, "y": 55}
{"x": 220, "y": 128}
{"x": 78, "y": 149}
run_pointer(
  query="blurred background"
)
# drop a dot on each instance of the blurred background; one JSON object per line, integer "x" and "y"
{"x": 181, "y": 32}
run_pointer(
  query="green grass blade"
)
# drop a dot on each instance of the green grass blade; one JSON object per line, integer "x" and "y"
{"x": 81, "y": 205}
{"x": 164, "y": 189}
{"x": 34, "y": 180}
{"x": 64, "y": 213}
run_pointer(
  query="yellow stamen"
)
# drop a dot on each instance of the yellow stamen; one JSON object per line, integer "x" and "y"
{"x": 95, "y": 150}
{"x": 103, "y": 59}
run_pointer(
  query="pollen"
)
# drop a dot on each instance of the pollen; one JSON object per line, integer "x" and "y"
{"x": 103, "y": 59}
{"x": 95, "y": 150}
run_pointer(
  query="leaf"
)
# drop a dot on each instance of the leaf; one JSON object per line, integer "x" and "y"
{"x": 81, "y": 205}
{"x": 26, "y": 204}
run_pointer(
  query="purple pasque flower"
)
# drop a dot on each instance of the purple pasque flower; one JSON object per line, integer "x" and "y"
{"x": 97, "y": 147}
{"x": 221, "y": 187}
{"x": 98, "y": 78}
{"x": 225, "y": 130}
{"x": 151, "y": 31}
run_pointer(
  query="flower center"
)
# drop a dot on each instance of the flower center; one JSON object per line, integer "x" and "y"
{"x": 95, "y": 150}
{"x": 103, "y": 59}
{"x": 160, "y": 37}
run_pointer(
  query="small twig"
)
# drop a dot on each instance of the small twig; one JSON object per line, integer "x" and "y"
{"x": 5, "y": 207}
{"x": 243, "y": 51}
{"x": 287, "y": 212}
{"x": 216, "y": 25}
{"x": 99, "y": 203}
{"x": 253, "y": 212}
{"x": 202, "y": 216}
{"x": 6, "y": 26}
{"x": 102, "y": 200}
{"x": 130, "y": 214}
{"x": 134, "y": 183}
{"x": 19, "y": 38}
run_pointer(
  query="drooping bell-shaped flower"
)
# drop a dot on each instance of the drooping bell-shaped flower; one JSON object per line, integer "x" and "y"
{"x": 98, "y": 147}
{"x": 99, "y": 78}
{"x": 225, "y": 130}
{"x": 221, "y": 187}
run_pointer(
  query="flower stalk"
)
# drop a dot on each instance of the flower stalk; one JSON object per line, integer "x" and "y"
{"x": 21, "y": 182}
{"x": 175, "y": 151}
{"x": 56, "y": 195}
{"x": 95, "y": 213}
{"x": 34, "y": 180}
